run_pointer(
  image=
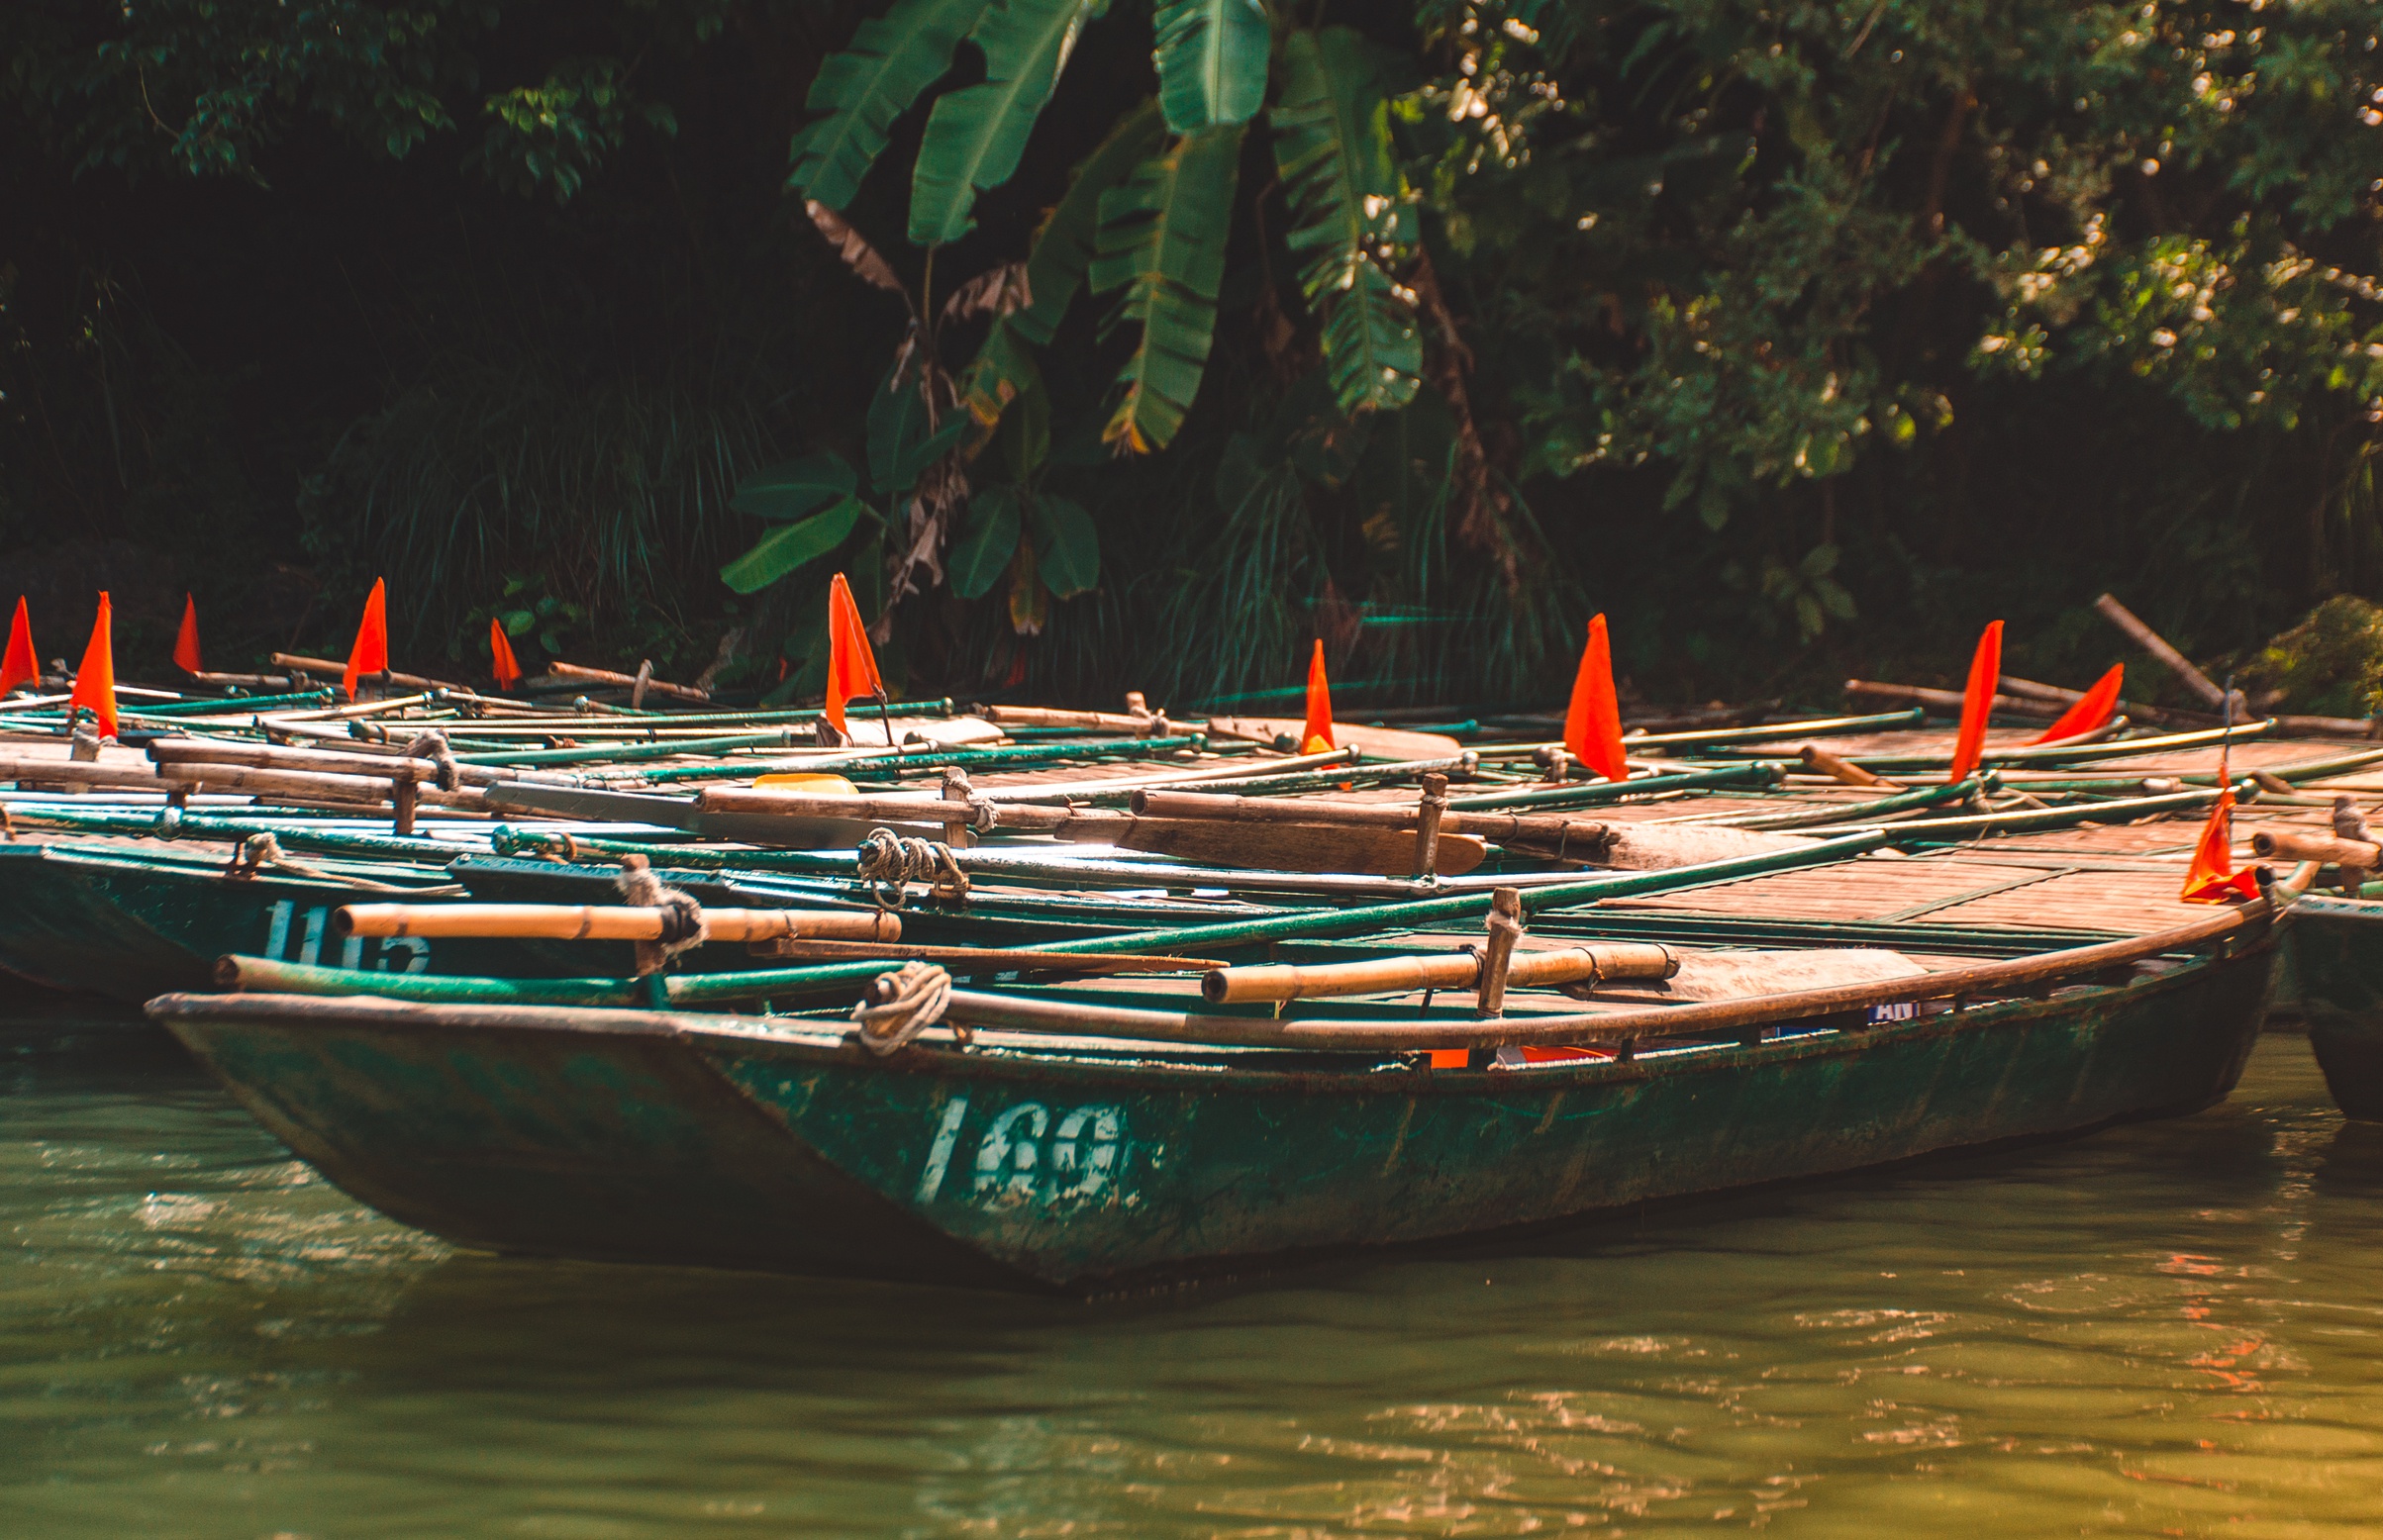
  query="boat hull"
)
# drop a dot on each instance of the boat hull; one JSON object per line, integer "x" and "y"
{"x": 2337, "y": 962}
{"x": 1083, "y": 1164}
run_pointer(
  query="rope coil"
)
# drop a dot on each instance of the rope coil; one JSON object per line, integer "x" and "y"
{"x": 900, "y": 1006}
{"x": 888, "y": 862}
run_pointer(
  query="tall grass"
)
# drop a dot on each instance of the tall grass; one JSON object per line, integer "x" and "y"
{"x": 610, "y": 494}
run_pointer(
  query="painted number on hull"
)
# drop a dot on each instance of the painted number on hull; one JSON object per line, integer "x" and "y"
{"x": 392, "y": 954}
{"x": 1031, "y": 1154}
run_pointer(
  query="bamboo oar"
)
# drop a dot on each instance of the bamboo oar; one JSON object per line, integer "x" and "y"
{"x": 591, "y": 922}
{"x": 1445, "y": 971}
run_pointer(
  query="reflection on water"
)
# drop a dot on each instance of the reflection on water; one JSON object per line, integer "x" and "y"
{"x": 2168, "y": 1329}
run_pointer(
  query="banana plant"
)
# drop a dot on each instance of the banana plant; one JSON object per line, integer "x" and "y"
{"x": 1159, "y": 223}
{"x": 1144, "y": 224}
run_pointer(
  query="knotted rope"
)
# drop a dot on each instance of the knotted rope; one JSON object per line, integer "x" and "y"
{"x": 683, "y": 928}
{"x": 431, "y": 745}
{"x": 888, "y": 861}
{"x": 984, "y": 815}
{"x": 263, "y": 850}
{"x": 552, "y": 845}
{"x": 900, "y": 1006}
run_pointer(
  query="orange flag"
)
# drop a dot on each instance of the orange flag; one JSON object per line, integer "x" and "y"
{"x": 2212, "y": 878}
{"x": 186, "y": 643}
{"x": 1977, "y": 702}
{"x": 370, "y": 655}
{"x": 851, "y": 665}
{"x": 95, "y": 680}
{"x": 1593, "y": 723}
{"x": 2101, "y": 702}
{"x": 508, "y": 671}
{"x": 20, "y": 665}
{"x": 1316, "y": 735}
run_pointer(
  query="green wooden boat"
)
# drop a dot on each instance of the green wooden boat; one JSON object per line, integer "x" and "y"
{"x": 2336, "y": 960}
{"x": 1079, "y": 1146}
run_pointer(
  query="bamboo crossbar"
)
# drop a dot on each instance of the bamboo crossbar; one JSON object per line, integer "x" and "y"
{"x": 1267, "y": 982}
{"x": 272, "y": 756}
{"x": 594, "y": 922}
{"x": 2294, "y": 844}
{"x": 366, "y": 788}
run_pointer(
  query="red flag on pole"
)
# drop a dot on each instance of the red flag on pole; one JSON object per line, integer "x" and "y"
{"x": 2212, "y": 878}
{"x": 500, "y": 648}
{"x": 1316, "y": 735}
{"x": 1593, "y": 723}
{"x": 95, "y": 680}
{"x": 2100, "y": 704}
{"x": 186, "y": 641}
{"x": 20, "y": 665}
{"x": 1977, "y": 702}
{"x": 851, "y": 665}
{"x": 370, "y": 655}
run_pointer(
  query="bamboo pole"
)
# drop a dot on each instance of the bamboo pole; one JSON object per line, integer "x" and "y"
{"x": 1269, "y": 982}
{"x": 641, "y": 683}
{"x": 1949, "y": 701}
{"x": 593, "y": 922}
{"x": 2303, "y": 845}
{"x": 365, "y": 788}
{"x": 326, "y": 668}
{"x": 1821, "y": 762}
{"x": 2178, "y": 664}
{"x": 1751, "y": 773}
{"x": 332, "y": 761}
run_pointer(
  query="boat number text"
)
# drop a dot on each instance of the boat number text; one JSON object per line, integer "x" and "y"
{"x": 391, "y": 954}
{"x": 1031, "y": 1154}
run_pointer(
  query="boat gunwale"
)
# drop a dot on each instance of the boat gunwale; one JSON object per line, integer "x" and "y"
{"x": 1111, "y": 1060}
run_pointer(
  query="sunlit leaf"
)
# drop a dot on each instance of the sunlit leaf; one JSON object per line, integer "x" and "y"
{"x": 976, "y": 134}
{"x": 789, "y": 546}
{"x": 1212, "y": 62}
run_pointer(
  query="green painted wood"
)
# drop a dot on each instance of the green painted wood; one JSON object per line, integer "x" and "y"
{"x": 1580, "y": 793}
{"x": 1077, "y": 1164}
{"x": 2338, "y": 965}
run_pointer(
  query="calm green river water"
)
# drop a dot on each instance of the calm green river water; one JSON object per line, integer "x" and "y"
{"x": 2172, "y": 1329}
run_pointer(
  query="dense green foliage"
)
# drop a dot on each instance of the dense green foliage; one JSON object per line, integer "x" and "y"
{"x": 1127, "y": 344}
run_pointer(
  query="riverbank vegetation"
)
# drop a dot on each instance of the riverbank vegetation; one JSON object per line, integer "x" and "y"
{"x": 1131, "y": 344}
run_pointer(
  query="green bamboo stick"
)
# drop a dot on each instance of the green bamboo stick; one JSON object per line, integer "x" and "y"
{"x": 1573, "y": 793}
{"x": 2124, "y": 809}
{"x": 1008, "y": 756}
{"x": 589, "y": 753}
{"x": 1848, "y": 813}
